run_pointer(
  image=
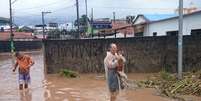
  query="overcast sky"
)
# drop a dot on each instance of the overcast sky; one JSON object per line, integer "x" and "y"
{"x": 102, "y": 8}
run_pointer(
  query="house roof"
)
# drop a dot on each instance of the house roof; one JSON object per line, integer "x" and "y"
{"x": 140, "y": 15}
{"x": 157, "y": 17}
{"x": 176, "y": 17}
{"x": 4, "y": 19}
{"x": 154, "y": 17}
{"x": 162, "y": 17}
{"x": 101, "y": 22}
{"x": 17, "y": 35}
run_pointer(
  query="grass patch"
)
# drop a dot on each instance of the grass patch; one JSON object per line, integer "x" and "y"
{"x": 68, "y": 73}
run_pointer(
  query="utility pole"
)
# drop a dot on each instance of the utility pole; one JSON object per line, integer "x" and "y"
{"x": 180, "y": 40}
{"x": 11, "y": 33}
{"x": 114, "y": 17}
{"x": 86, "y": 20}
{"x": 43, "y": 23}
{"x": 92, "y": 21}
{"x": 72, "y": 25}
{"x": 114, "y": 21}
{"x": 86, "y": 8}
{"x": 78, "y": 20}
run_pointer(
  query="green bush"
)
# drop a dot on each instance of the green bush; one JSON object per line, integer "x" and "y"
{"x": 68, "y": 73}
{"x": 167, "y": 76}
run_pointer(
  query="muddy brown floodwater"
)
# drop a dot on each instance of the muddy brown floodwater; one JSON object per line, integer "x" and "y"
{"x": 88, "y": 87}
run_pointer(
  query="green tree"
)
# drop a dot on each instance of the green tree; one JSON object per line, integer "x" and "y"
{"x": 83, "y": 21}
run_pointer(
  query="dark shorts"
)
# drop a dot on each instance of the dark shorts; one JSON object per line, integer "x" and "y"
{"x": 113, "y": 83}
{"x": 24, "y": 78}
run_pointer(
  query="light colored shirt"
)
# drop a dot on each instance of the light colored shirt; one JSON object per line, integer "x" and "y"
{"x": 110, "y": 61}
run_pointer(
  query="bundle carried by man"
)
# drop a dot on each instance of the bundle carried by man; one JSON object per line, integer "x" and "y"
{"x": 120, "y": 69}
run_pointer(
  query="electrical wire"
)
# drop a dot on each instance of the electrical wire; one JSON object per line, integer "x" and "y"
{"x": 52, "y": 12}
{"x": 136, "y": 8}
{"x": 41, "y": 6}
{"x": 14, "y": 1}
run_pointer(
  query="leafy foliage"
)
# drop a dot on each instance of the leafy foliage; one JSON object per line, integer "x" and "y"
{"x": 68, "y": 73}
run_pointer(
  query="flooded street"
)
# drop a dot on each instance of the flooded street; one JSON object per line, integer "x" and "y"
{"x": 88, "y": 87}
{"x": 9, "y": 81}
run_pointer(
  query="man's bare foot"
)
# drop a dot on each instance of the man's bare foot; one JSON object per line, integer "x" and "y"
{"x": 26, "y": 86}
{"x": 21, "y": 86}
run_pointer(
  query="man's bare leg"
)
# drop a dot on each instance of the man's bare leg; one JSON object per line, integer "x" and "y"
{"x": 26, "y": 86}
{"x": 21, "y": 86}
{"x": 113, "y": 96}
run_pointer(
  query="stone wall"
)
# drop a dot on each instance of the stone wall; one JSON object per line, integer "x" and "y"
{"x": 143, "y": 54}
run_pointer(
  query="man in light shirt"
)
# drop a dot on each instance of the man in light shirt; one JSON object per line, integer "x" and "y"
{"x": 111, "y": 64}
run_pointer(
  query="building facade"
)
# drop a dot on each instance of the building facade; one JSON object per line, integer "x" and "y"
{"x": 123, "y": 28}
{"x": 169, "y": 26}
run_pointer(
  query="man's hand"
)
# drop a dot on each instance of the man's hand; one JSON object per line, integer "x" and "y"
{"x": 16, "y": 64}
{"x": 27, "y": 70}
{"x": 117, "y": 56}
{"x": 14, "y": 70}
{"x": 22, "y": 70}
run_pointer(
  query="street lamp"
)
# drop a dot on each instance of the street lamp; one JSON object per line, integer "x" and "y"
{"x": 43, "y": 22}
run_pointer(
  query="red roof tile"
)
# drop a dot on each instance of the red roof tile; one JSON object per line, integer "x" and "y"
{"x": 17, "y": 35}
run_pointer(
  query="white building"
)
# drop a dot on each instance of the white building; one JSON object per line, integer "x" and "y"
{"x": 169, "y": 26}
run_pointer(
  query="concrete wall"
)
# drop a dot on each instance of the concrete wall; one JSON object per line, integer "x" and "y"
{"x": 20, "y": 45}
{"x": 161, "y": 27}
{"x": 143, "y": 54}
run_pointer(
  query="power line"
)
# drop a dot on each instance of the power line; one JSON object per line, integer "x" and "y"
{"x": 41, "y": 6}
{"x": 53, "y": 11}
{"x": 137, "y": 8}
{"x": 28, "y": 14}
{"x": 14, "y": 1}
{"x": 64, "y": 8}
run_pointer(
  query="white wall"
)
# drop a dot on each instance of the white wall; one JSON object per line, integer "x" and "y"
{"x": 190, "y": 22}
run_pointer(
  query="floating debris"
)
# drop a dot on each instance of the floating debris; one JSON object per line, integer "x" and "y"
{"x": 168, "y": 84}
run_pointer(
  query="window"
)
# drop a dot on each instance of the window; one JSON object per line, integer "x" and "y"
{"x": 139, "y": 34}
{"x": 154, "y": 33}
{"x": 2, "y": 29}
{"x": 172, "y": 33}
{"x": 196, "y": 31}
{"x": 109, "y": 26}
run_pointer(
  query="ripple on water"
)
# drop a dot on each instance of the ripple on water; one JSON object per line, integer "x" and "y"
{"x": 60, "y": 92}
{"x": 66, "y": 89}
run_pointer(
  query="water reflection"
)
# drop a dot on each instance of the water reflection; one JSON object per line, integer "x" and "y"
{"x": 25, "y": 95}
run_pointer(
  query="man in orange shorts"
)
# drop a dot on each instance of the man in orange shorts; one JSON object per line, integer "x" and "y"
{"x": 24, "y": 62}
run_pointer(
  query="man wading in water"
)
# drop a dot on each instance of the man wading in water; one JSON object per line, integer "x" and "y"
{"x": 111, "y": 65}
{"x": 24, "y": 62}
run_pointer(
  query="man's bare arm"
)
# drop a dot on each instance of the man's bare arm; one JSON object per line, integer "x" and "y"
{"x": 31, "y": 64}
{"x": 16, "y": 64}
